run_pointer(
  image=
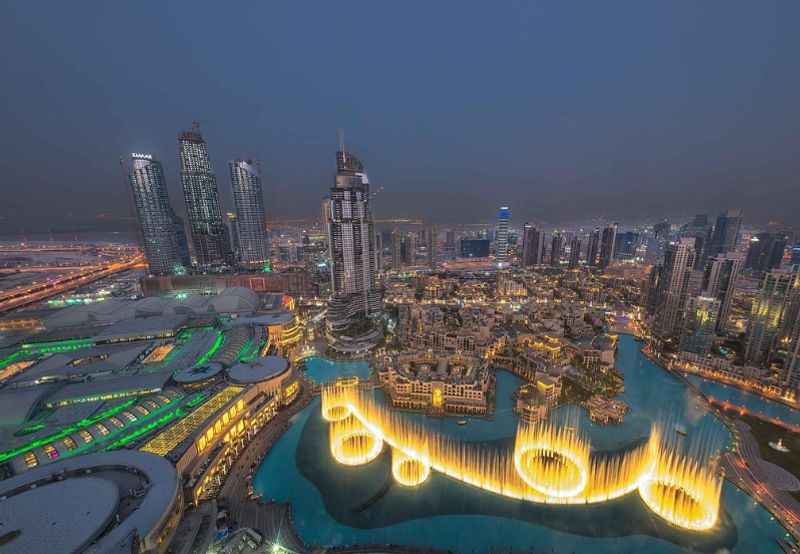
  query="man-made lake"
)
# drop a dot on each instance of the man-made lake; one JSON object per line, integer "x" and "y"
{"x": 328, "y": 499}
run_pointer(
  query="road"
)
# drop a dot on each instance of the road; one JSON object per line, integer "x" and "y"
{"x": 28, "y": 294}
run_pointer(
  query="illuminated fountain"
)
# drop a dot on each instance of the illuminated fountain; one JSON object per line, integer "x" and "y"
{"x": 683, "y": 489}
{"x": 549, "y": 463}
{"x": 336, "y": 398}
{"x": 352, "y": 444}
{"x": 552, "y": 461}
{"x": 409, "y": 471}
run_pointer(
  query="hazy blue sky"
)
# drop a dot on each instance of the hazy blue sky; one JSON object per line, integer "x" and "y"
{"x": 560, "y": 109}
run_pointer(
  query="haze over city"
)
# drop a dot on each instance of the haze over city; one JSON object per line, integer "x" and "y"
{"x": 563, "y": 111}
{"x": 400, "y": 278}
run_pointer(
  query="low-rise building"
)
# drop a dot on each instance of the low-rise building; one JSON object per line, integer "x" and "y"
{"x": 456, "y": 383}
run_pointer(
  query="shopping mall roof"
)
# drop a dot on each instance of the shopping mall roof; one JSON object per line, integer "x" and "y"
{"x": 110, "y": 387}
{"x": 258, "y": 370}
{"x": 279, "y": 318}
{"x": 69, "y": 505}
{"x": 197, "y": 374}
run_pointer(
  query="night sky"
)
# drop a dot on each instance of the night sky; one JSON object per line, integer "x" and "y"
{"x": 562, "y": 110}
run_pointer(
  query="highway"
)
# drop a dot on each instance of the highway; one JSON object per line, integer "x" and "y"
{"x": 28, "y": 294}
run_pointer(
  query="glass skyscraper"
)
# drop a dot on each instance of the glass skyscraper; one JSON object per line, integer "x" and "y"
{"x": 351, "y": 239}
{"x": 726, "y": 233}
{"x": 207, "y": 229}
{"x": 154, "y": 213}
{"x": 250, "y": 219}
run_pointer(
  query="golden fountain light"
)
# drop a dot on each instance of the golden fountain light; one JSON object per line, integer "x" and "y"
{"x": 549, "y": 463}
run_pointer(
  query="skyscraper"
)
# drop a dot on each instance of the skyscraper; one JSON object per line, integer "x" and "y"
{"x": 501, "y": 238}
{"x": 767, "y": 315}
{"x": 725, "y": 236}
{"x": 532, "y": 246}
{"x": 700, "y": 229}
{"x": 673, "y": 285}
{"x": 250, "y": 218}
{"x": 154, "y": 213}
{"x": 765, "y": 251}
{"x": 351, "y": 239}
{"x": 719, "y": 281}
{"x": 607, "y": 241}
{"x": 700, "y": 324}
{"x": 791, "y": 334}
{"x": 556, "y": 249}
{"x": 574, "y": 252}
{"x": 626, "y": 245}
{"x": 431, "y": 246}
{"x": 233, "y": 234}
{"x": 397, "y": 249}
{"x": 593, "y": 253}
{"x": 184, "y": 257}
{"x": 206, "y": 226}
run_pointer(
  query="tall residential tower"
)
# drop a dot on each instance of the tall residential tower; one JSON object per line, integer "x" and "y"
{"x": 250, "y": 222}
{"x": 157, "y": 221}
{"x": 208, "y": 232}
{"x": 501, "y": 239}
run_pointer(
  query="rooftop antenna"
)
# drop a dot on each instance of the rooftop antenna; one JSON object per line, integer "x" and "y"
{"x": 340, "y": 132}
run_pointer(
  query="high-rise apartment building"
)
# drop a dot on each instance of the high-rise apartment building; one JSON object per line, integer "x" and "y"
{"x": 719, "y": 281}
{"x": 154, "y": 213}
{"x": 207, "y": 229}
{"x": 593, "y": 252}
{"x": 765, "y": 251}
{"x": 501, "y": 237}
{"x": 351, "y": 239}
{"x": 556, "y": 249}
{"x": 725, "y": 236}
{"x": 673, "y": 285}
{"x": 767, "y": 315}
{"x": 532, "y": 246}
{"x": 248, "y": 197}
{"x": 431, "y": 246}
{"x": 791, "y": 336}
{"x": 699, "y": 325}
{"x": 607, "y": 241}
{"x": 574, "y": 252}
{"x": 397, "y": 249}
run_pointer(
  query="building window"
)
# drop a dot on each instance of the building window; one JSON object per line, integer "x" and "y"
{"x": 50, "y": 451}
{"x": 86, "y": 436}
{"x": 30, "y": 459}
{"x": 70, "y": 443}
{"x": 102, "y": 428}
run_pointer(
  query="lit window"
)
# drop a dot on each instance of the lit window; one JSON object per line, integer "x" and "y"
{"x": 142, "y": 410}
{"x": 102, "y": 428}
{"x": 30, "y": 459}
{"x": 50, "y": 451}
{"x": 117, "y": 423}
{"x": 150, "y": 404}
{"x": 129, "y": 416}
{"x": 70, "y": 443}
{"x": 86, "y": 436}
